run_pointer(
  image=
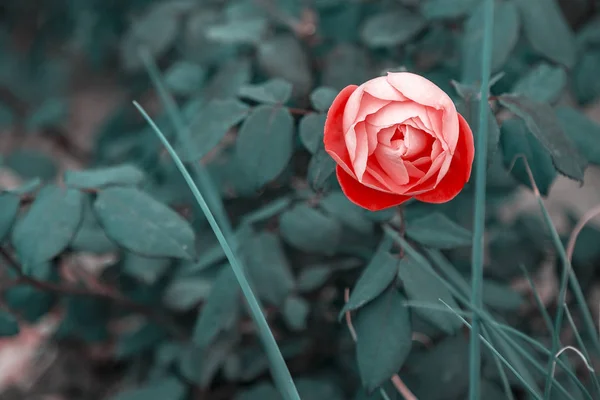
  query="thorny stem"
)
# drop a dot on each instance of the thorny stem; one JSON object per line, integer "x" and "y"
{"x": 71, "y": 290}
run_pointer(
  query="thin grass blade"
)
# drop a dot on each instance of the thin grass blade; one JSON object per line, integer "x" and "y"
{"x": 281, "y": 374}
{"x": 479, "y": 213}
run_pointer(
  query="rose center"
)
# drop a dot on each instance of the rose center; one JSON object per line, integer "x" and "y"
{"x": 410, "y": 142}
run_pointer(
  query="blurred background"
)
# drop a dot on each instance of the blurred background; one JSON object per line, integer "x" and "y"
{"x": 69, "y": 72}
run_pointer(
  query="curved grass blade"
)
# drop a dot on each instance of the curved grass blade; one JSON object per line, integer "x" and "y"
{"x": 280, "y": 371}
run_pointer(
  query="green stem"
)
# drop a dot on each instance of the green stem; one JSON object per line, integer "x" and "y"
{"x": 479, "y": 213}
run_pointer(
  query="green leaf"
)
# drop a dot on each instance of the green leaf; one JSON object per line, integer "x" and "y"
{"x": 320, "y": 168}
{"x": 249, "y": 31}
{"x": 142, "y": 225}
{"x": 90, "y": 236}
{"x": 228, "y": 79}
{"x": 29, "y": 302}
{"x": 322, "y": 97}
{"x": 295, "y": 312}
{"x": 273, "y": 91}
{"x": 585, "y": 85}
{"x": 86, "y": 318}
{"x": 268, "y": 211}
{"x": 268, "y": 267}
{"x": 469, "y": 109}
{"x": 154, "y": 31}
{"x": 184, "y": 293}
{"x": 441, "y": 371}
{"x": 29, "y": 187}
{"x": 337, "y": 204}
{"x": 261, "y": 391}
{"x": 584, "y": 132}
{"x": 501, "y": 297}
{"x": 282, "y": 56}
{"x": 319, "y": 389}
{"x": 211, "y": 124}
{"x": 162, "y": 389}
{"x": 9, "y": 326}
{"x": 438, "y": 231}
{"x": 6, "y": 116}
{"x": 543, "y": 124}
{"x": 543, "y": 83}
{"x": 516, "y": 140}
{"x": 439, "y": 9}
{"x": 50, "y": 113}
{"x": 311, "y": 131}
{"x": 312, "y": 278}
{"x": 212, "y": 252}
{"x": 120, "y": 175}
{"x": 9, "y": 208}
{"x": 139, "y": 340}
{"x": 31, "y": 164}
{"x": 184, "y": 77}
{"x": 421, "y": 286}
{"x": 376, "y": 277}
{"x": 48, "y": 226}
{"x": 490, "y": 391}
{"x": 391, "y": 28}
{"x": 384, "y": 338}
{"x": 220, "y": 310}
{"x": 145, "y": 269}
{"x": 265, "y": 142}
{"x": 506, "y": 34}
{"x": 200, "y": 365}
{"x": 547, "y": 30}
{"x": 346, "y": 65}
{"x": 310, "y": 230}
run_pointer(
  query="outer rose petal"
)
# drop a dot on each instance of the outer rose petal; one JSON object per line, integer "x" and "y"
{"x": 364, "y": 196}
{"x": 333, "y": 137}
{"x": 423, "y": 91}
{"x": 459, "y": 171}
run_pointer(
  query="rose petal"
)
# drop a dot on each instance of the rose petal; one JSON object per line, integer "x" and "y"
{"x": 372, "y": 136}
{"x": 376, "y": 178}
{"x": 427, "y": 181}
{"x": 369, "y": 105}
{"x": 333, "y": 138}
{"x": 365, "y": 197}
{"x": 436, "y": 149}
{"x": 413, "y": 171}
{"x": 416, "y": 141}
{"x": 416, "y": 123}
{"x": 381, "y": 88}
{"x": 359, "y": 162}
{"x": 435, "y": 120}
{"x": 444, "y": 168}
{"x": 460, "y": 169}
{"x": 395, "y": 113}
{"x": 352, "y": 107}
{"x": 392, "y": 163}
{"x": 385, "y": 135}
{"x": 425, "y": 92}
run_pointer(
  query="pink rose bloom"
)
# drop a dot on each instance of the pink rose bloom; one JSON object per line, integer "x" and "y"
{"x": 397, "y": 137}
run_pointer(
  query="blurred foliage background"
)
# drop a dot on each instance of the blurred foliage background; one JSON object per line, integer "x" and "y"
{"x": 113, "y": 271}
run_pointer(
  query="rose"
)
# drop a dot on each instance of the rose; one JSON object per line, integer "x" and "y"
{"x": 397, "y": 137}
